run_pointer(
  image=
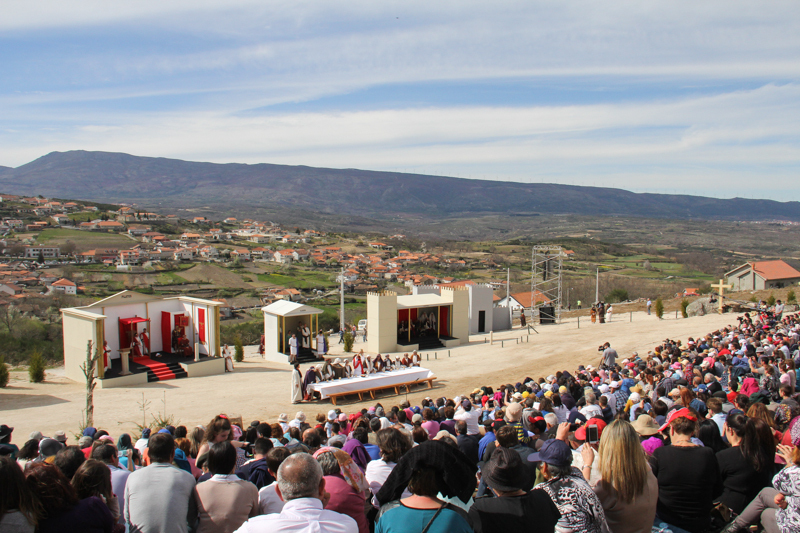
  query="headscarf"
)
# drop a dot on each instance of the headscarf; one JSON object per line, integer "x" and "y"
{"x": 89, "y": 432}
{"x": 357, "y": 452}
{"x": 124, "y": 443}
{"x": 349, "y": 470}
{"x": 455, "y": 474}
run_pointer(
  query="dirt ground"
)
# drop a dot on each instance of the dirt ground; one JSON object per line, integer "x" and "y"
{"x": 260, "y": 390}
{"x": 215, "y": 275}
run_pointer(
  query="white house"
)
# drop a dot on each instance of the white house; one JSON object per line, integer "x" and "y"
{"x": 65, "y": 286}
{"x": 760, "y": 275}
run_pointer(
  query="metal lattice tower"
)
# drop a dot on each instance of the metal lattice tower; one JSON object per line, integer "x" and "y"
{"x": 546, "y": 262}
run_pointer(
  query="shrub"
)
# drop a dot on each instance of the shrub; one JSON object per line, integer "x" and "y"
{"x": 4, "y": 377}
{"x": 36, "y": 367}
{"x": 684, "y": 305}
{"x": 617, "y": 295}
{"x": 790, "y": 297}
{"x": 753, "y": 299}
{"x": 771, "y": 300}
{"x": 659, "y": 308}
{"x": 238, "y": 354}
{"x": 348, "y": 342}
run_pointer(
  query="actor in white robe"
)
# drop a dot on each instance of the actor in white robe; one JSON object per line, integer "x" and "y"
{"x": 297, "y": 384}
{"x": 106, "y": 356}
{"x": 305, "y": 332}
{"x": 368, "y": 366}
{"x": 321, "y": 344}
{"x": 414, "y": 358}
{"x": 348, "y": 371}
{"x": 609, "y": 312}
{"x": 293, "y": 346}
{"x": 145, "y": 343}
{"x": 226, "y": 354}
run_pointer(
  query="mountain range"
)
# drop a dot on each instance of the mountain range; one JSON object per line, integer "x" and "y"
{"x": 246, "y": 190}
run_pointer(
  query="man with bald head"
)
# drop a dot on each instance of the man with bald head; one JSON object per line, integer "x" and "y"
{"x": 302, "y": 488}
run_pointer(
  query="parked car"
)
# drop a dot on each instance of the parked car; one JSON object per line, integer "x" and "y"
{"x": 362, "y": 324}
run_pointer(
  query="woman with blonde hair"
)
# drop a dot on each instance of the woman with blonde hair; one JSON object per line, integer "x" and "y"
{"x": 628, "y": 490}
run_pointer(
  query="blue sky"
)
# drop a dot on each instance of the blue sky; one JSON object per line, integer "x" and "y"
{"x": 659, "y": 96}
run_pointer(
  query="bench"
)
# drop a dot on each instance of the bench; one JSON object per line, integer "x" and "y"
{"x": 371, "y": 391}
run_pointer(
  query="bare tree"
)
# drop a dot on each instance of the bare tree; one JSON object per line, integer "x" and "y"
{"x": 9, "y": 317}
{"x": 89, "y": 368}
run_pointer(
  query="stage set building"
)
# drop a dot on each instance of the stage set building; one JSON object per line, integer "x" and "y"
{"x": 422, "y": 321}
{"x": 281, "y": 319}
{"x": 118, "y": 318}
{"x": 483, "y": 315}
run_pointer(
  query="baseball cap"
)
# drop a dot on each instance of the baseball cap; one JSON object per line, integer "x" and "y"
{"x": 680, "y": 413}
{"x": 554, "y": 452}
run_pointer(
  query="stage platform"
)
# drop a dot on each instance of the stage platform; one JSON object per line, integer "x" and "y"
{"x": 167, "y": 367}
{"x": 374, "y": 382}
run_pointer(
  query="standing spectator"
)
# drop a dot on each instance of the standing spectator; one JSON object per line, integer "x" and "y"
{"x": 20, "y": 510}
{"x": 224, "y": 502}
{"x": 160, "y": 498}
{"x": 513, "y": 508}
{"x": 302, "y": 487}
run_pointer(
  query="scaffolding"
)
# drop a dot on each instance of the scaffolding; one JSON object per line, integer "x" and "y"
{"x": 546, "y": 281}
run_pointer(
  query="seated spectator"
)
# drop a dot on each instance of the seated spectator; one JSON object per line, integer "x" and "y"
{"x": 224, "y": 502}
{"x": 565, "y": 486}
{"x": 64, "y": 512}
{"x": 302, "y": 487}
{"x": 160, "y": 497}
{"x": 355, "y": 447}
{"x": 93, "y": 479}
{"x": 268, "y": 499}
{"x": 107, "y": 453}
{"x": 688, "y": 476}
{"x": 20, "y": 509}
{"x": 393, "y": 445}
{"x": 256, "y": 471}
{"x": 6, "y": 447}
{"x": 627, "y": 489}
{"x": 68, "y": 460}
{"x": 345, "y": 483}
{"x": 513, "y": 508}
{"x": 427, "y": 470}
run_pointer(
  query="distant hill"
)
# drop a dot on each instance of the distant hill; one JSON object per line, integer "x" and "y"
{"x": 220, "y": 188}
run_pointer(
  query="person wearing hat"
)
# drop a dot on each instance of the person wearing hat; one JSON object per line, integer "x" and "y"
{"x": 6, "y": 448}
{"x": 688, "y": 476}
{"x": 566, "y": 486}
{"x": 514, "y": 508}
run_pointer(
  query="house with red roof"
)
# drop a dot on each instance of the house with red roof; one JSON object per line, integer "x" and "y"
{"x": 65, "y": 286}
{"x": 760, "y": 275}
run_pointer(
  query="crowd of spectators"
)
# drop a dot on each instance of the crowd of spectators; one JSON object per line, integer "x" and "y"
{"x": 695, "y": 436}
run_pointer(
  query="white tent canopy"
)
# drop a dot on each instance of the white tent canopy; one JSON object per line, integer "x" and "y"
{"x": 286, "y": 308}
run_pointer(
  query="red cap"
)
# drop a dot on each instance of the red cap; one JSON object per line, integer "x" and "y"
{"x": 580, "y": 433}
{"x": 680, "y": 413}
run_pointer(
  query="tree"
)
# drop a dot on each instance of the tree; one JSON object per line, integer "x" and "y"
{"x": 89, "y": 367}
{"x": 684, "y": 305}
{"x": 790, "y": 297}
{"x": 348, "y": 342}
{"x": 238, "y": 353}
{"x": 617, "y": 295}
{"x": 4, "y": 377}
{"x": 771, "y": 300}
{"x": 36, "y": 367}
{"x": 659, "y": 309}
{"x": 10, "y": 318}
{"x": 40, "y": 258}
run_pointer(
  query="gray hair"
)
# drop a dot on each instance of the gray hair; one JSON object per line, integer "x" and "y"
{"x": 591, "y": 399}
{"x": 299, "y": 476}
{"x": 329, "y": 464}
{"x": 551, "y": 419}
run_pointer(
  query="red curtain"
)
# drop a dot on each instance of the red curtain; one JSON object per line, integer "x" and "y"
{"x": 201, "y": 324}
{"x": 444, "y": 322}
{"x": 166, "y": 332}
{"x": 402, "y": 316}
{"x": 413, "y": 314}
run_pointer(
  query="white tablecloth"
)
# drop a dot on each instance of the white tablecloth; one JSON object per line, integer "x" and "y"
{"x": 373, "y": 381}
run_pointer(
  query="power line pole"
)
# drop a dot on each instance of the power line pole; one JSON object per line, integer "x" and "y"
{"x": 341, "y": 300}
{"x": 597, "y": 286}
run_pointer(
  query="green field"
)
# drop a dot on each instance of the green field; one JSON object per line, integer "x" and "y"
{"x": 83, "y": 240}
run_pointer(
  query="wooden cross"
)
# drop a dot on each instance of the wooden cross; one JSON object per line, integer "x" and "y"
{"x": 721, "y": 287}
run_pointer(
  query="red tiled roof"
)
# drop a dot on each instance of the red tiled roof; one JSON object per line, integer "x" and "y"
{"x": 770, "y": 270}
{"x": 529, "y": 299}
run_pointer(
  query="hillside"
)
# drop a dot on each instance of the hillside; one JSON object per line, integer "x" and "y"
{"x": 176, "y": 184}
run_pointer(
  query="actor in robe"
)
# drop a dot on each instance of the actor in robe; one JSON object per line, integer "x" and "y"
{"x": 293, "y": 347}
{"x": 348, "y": 370}
{"x": 310, "y": 377}
{"x": 145, "y": 342}
{"x": 327, "y": 370}
{"x": 136, "y": 346}
{"x": 358, "y": 364}
{"x": 405, "y": 362}
{"x": 226, "y": 354}
{"x": 593, "y": 314}
{"x": 601, "y": 312}
{"x": 388, "y": 364}
{"x": 321, "y": 348}
{"x": 414, "y": 358}
{"x": 297, "y": 384}
{"x": 176, "y": 334}
{"x": 106, "y": 355}
{"x": 368, "y": 369}
{"x": 609, "y": 312}
{"x": 377, "y": 364}
{"x": 305, "y": 333}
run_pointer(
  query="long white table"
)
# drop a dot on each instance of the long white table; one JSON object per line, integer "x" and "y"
{"x": 381, "y": 380}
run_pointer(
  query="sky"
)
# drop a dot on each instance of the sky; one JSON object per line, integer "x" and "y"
{"x": 658, "y": 96}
